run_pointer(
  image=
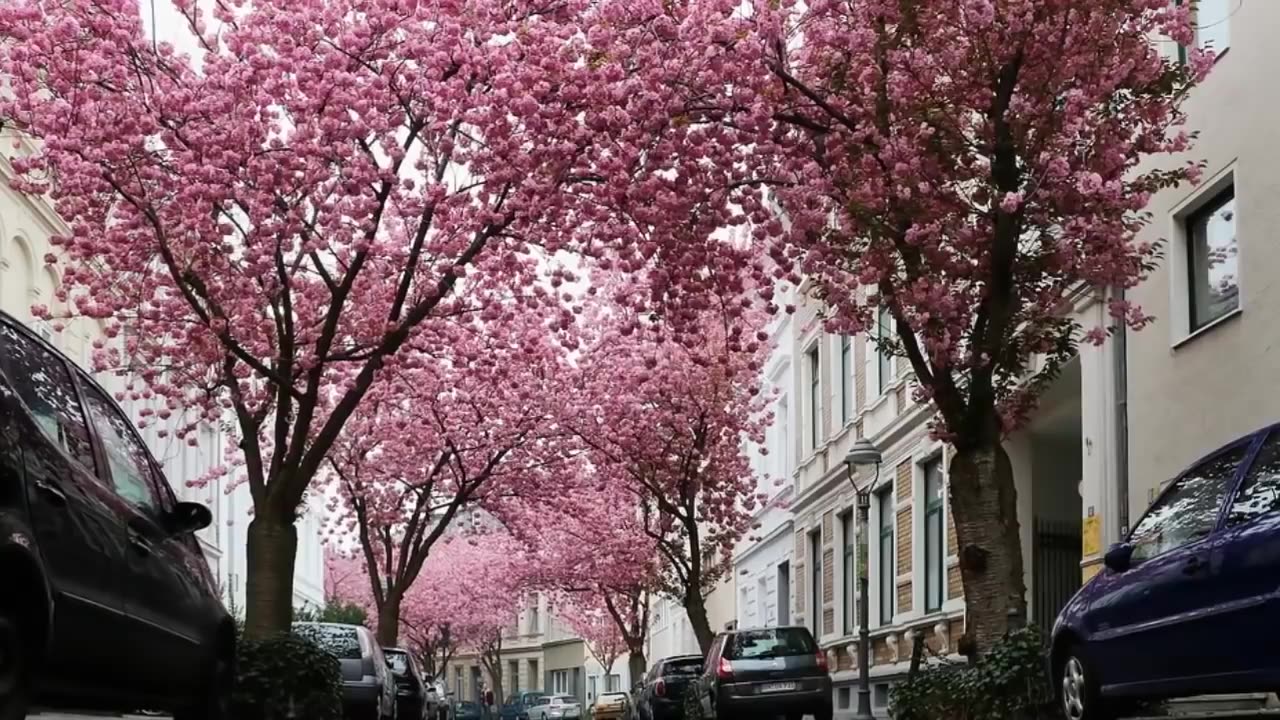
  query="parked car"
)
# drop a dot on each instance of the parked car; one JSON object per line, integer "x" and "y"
{"x": 762, "y": 673}
{"x": 97, "y": 554}
{"x": 467, "y": 710}
{"x": 368, "y": 683}
{"x": 411, "y": 691}
{"x": 1178, "y": 607}
{"x": 660, "y": 695}
{"x": 555, "y": 707}
{"x": 517, "y": 706}
{"x": 610, "y": 706}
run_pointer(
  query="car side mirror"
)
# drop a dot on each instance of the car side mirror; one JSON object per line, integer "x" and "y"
{"x": 188, "y": 517}
{"x": 1119, "y": 558}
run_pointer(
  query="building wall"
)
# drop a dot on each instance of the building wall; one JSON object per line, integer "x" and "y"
{"x": 1189, "y": 394}
{"x": 26, "y": 225}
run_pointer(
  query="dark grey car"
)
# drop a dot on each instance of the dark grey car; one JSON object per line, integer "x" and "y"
{"x": 762, "y": 673}
{"x": 368, "y": 683}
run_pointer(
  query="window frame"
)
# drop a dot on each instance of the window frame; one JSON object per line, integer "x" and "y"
{"x": 1209, "y": 205}
{"x": 848, "y": 532}
{"x": 815, "y": 580}
{"x": 813, "y": 359}
{"x": 1250, "y": 445}
{"x": 1262, "y": 441}
{"x": 884, "y": 361}
{"x": 847, "y": 408}
{"x": 934, "y": 509}
{"x": 888, "y": 580}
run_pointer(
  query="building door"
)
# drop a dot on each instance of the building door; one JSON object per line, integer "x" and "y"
{"x": 784, "y": 593}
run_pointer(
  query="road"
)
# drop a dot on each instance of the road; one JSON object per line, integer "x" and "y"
{"x": 95, "y": 716}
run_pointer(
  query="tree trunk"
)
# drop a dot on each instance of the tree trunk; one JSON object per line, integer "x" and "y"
{"x": 636, "y": 666}
{"x": 984, "y": 503}
{"x": 389, "y": 619}
{"x": 695, "y": 606}
{"x": 272, "y": 548}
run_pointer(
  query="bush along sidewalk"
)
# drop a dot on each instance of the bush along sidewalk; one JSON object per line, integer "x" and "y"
{"x": 1009, "y": 682}
{"x": 286, "y": 676}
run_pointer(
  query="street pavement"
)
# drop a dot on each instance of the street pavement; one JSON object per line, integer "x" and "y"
{"x": 95, "y": 716}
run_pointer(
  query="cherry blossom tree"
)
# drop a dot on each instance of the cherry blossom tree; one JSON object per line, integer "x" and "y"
{"x": 588, "y": 617}
{"x": 266, "y": 224}
{"x": 666, "y": 419}
{"x": 438, "y": 437}
{"x": 965, "y": 165}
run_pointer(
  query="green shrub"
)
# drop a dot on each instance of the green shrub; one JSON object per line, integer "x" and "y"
{"x": 1010, "y": 681}
{"x": 286, "y": 676}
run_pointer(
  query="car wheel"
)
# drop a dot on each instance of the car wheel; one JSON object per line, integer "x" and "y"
{"x": 215, "y": 702}
{"x": 14, "y": 671}
{"x": 1078, "y": 689}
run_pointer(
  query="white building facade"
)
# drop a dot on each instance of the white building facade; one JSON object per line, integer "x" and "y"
{"x": 26, "y": 280}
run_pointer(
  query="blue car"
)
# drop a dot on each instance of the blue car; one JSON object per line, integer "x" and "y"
{"x": 1186, "y": 604}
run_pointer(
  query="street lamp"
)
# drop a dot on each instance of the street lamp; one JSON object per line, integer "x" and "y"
{"x": 863, "y": 453}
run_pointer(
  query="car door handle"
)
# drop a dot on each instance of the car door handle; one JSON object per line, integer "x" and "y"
{"x": 140, "y": 543}
{"x": 53, "y": 491}
{"x": 1194, "y": 565}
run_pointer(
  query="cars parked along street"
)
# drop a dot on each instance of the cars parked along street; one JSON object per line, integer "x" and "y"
{"x": 1178, "y": 608}
{"x": 660, "y": 695}
{"x": 368, "y": 683}
{"x": 555, "y": 707}
{"x": 97, "y": 554}
{"x": 467, "y": 710}
{"x": 762, "y": 673}
{"x": 517, "y": 706}
{"x": 610, "y": 706}
{"x": 412, "y": 692}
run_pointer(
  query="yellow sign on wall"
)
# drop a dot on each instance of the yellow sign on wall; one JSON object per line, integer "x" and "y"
{"x": 1091, "y": 537}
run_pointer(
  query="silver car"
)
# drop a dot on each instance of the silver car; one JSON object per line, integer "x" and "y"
{"x": 368, "y": 685}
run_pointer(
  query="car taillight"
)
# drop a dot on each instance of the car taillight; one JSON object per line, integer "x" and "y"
{"x": 725, "y": 671}
{"x": 660, "y": 688}
{"x": 821, "y": 657}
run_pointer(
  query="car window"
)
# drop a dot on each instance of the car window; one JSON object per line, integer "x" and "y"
{"x": 341, "y": 641}
{"x": 770, "y": 643}
{"x": 1188, "y": 511}
{"x": 131, "y": 471}
{"x": 399, "y": 662}
{"x": 691, "y": 666}
{"x": 1260, "y": 491}
{"x": 42, "y": 381}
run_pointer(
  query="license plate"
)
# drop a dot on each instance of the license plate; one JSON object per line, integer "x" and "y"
{"x": 777, "y": 687}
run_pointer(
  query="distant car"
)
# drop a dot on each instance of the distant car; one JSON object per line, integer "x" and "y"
{"x": 610, "y": 706}
{"x": 555, "y": 707}
{"x": 517, "y": 706}
{"x": 762, "y": 673}
{"x": 368, "y": 683}
{"x": 1180, "y": 604}
{"x": 660, "y": 695}
{"x": 106, "y": 598}
{"x": 411, "y": 691}
{"x": 467, "y": 710}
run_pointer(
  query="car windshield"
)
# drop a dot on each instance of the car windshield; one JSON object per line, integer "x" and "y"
{"x": 691, "y": 666}
{"x": 770, "y": 643}
{"x": 399, "y": 661}
{"x": 342, "y": 641}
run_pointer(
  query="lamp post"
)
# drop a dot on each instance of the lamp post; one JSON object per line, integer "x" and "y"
{"x": 863, "y": 453}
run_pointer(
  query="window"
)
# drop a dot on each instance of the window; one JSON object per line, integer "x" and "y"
{"x": 815, "y": 397}
{"x": 846, "y": 379}
{"x": 885, "y": 503}
{"x": 535, "y": 618}
{"x": 513, "y": 675}
{"x": 1212, "y": 25}
{"x": 591, "y": 687}
{"x": 612, "y": 683}
{"x": 1260, "y": 492}
{"x": 45, "y": 387}
{"x": 850, "y": 582}
{"x": 815, "y": 580}
{"x": 884, "y": 328}
{"x": 934, "y": 567}
{"x": 341, "y": 641}
{"x": 131, "y": 472}
{"x": 534, "y": 678}
{"x": 770, "y": 643}
{"x": 560, "y": 681}
{"x": 784, "y": 593}
{"x": 1188, "y": 510}
{"x": 1213, "y": 260}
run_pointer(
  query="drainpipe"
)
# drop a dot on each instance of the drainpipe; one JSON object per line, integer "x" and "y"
{"x": 1122, "y": 418}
